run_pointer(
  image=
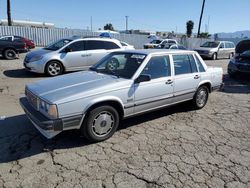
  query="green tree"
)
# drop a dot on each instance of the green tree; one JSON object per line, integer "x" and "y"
{"x": 204, "y": 35}
{"x": 109, "y": 26}
{"x": 190, "y": 26}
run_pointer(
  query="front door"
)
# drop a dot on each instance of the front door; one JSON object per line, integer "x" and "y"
{"x": 76, "y": 57}
{"x": 157, "y": 92}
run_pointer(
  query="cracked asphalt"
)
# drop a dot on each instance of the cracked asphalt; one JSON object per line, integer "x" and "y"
{"x": 173, "y": 147}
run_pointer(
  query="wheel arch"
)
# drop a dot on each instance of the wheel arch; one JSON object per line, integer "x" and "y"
{"x": 207, "y": 84}
{"x": 45, "y": 66}
{"x": 115, "y": 103}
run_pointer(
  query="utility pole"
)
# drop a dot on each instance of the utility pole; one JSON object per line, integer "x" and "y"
{"x": 9, "y": 13}
{"x": 126, "y": 24}
{"x": 202, "y": 8}
{"x": 91, "y": 24}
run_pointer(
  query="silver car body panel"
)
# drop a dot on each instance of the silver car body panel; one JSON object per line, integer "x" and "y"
{"x": 75, "y": 93}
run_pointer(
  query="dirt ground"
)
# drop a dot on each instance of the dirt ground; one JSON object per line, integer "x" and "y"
{"x": 173, "y": 147}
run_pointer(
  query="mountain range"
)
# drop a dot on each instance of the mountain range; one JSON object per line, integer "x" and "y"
{"x": 237, "y": 34}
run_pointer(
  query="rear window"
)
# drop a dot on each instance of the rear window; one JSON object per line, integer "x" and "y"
{"x": 199, "y": 64}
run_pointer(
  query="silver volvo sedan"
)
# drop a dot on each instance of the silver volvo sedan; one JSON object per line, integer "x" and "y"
{"x": 121, "y": 85}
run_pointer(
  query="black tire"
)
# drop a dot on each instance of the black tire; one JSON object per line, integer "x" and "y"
{"x": 200, "y": 97}
{"x": 96, "y": 128}
{"x": 54, "y": 68}
{"x": 214, "y": 56}
{"x": 230, "y": 55}
{"x": 9, "y": 54}
{"x": 231, "y": 74}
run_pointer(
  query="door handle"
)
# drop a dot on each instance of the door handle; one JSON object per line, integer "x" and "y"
{"x": 85, "y": 55}
{"x": 196, "y": 77}
{"x": 169, "y": 81}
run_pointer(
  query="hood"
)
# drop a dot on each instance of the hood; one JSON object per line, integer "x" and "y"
{"x": 242, "y": 46}
{"x": 38, "y": 52}
{"x": 75, "y": 85}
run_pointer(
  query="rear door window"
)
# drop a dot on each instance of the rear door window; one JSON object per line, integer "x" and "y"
{"x": 110, "y": 45}
{"x": 182, "y": 64}
{"x": 94, "y": 45}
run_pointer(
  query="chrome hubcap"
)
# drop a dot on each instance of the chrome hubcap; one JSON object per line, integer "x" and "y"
{"x": 54, "y": 68}
{"x": 103, "y": 124}
{"x": 201, "y": 97}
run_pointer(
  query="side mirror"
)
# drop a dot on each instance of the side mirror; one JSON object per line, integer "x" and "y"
{"x": 67, "y": 49}
{"x": 143, "y": 78}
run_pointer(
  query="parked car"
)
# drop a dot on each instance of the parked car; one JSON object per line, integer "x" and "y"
{"x": 29, "y": 43}
{"x": 167, "y": 43}
{"x": 10, "y": 49}
{"x": 177, "y": 46}
{"x": 70, "y": 54}
{"x": 240, "y": 63}
{"x": 216, "y": 49}
{"x": 152, "y": 44}
{"x": 173, "y": 46}
{"x": 121, "y": 85}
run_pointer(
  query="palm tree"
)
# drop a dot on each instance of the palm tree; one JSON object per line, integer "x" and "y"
{"x": 9, "y": 13}
{"x": 190, "y": 26}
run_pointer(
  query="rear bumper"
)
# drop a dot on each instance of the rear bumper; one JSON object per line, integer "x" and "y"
{"x": 218, "y": 87}
{"x": 49, "y": 127}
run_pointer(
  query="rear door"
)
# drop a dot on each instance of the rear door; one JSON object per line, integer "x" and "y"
{"x": 187, "y": 77}
{"x": 159, "y": 90}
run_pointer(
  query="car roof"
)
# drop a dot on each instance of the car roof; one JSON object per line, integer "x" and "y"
{"x": 158, "y": 51}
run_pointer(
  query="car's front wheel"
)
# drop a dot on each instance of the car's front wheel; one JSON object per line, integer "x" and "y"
{"x": 200, "y": 97}
{"x": 214, "y": 56}
{"x": 100, "y": 123}
{"x": 54, "y": 68}
{"x": 9, "y": 54}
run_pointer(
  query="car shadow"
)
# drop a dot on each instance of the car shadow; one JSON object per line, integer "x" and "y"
{"x": 22, "y": 73}
{"x": 19, "y": 139}
{"x": 239, "y": 84}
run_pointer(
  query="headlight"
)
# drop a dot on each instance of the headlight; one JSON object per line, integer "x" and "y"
{"x": 47, "y": 109}
{"x": 35, "y": 58}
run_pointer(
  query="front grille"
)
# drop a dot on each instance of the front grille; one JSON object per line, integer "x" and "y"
{"x": 33, "y": 100}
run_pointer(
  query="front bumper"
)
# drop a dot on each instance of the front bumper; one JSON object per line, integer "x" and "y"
{"x": 48, "y": 127}
{"x": 36, "y": 66}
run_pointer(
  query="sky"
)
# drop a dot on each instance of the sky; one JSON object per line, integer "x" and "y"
{"x": 154, "y": 15}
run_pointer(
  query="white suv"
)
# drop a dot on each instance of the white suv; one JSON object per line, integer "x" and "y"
{"x": 70, "y": 55}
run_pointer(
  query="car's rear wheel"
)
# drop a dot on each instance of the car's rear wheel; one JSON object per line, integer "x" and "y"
{"x": 214, "y": 56}
{"x": 54, "y": 68}
{"x": 200, "y": 97}
{"x": 9, "y": 54}
{"x": 100, "y": 123}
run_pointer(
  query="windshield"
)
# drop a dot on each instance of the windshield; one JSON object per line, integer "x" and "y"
{"x": 58, "y": 44}
{"x": 120, "y": 64}
{"x": 210, "y": 44}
